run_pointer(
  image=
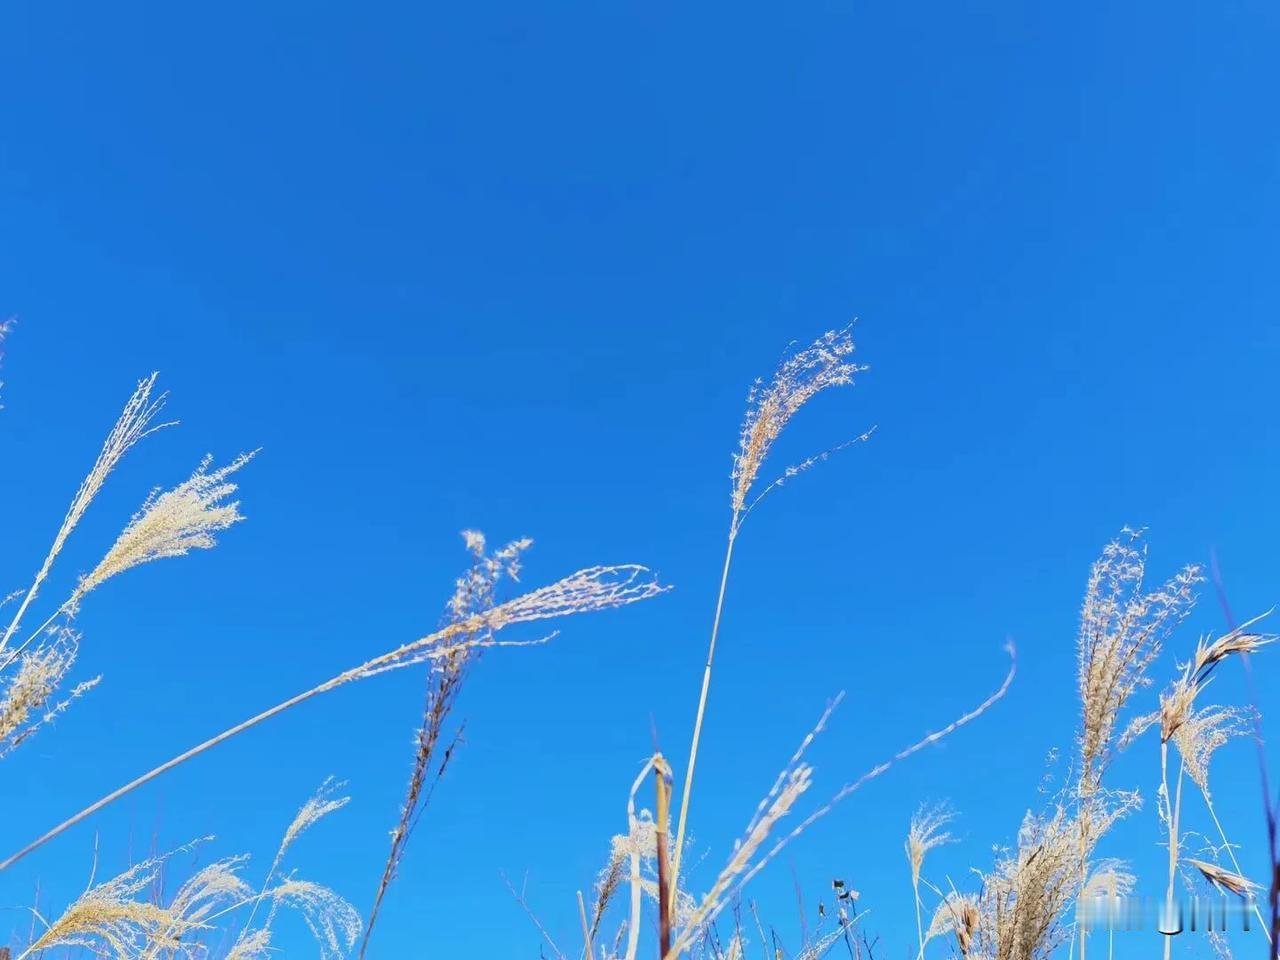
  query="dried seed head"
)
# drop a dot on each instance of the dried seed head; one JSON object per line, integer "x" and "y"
{"x": 770, "y": 406}
{"x": 107, "y": 919}
{"x": 1176, "y": 706}
{"x": 321, "y": 805}
{"x": 27, "y": 702}
{"x": 958, "y": 914}
{"x": 136, "y": 421}
{"x": 924, "y": 834}
{"x": 173, "y": 523}
{"x": 1235, "y": 642}
{"x": 1200, "y": 735}
{"x": 333, "y": 922}
{"x": 252, "y": 946}
{"x": 1110, "y": 879}
{"x": 1122, "y": 630}
{"x": 1224, "y": 879}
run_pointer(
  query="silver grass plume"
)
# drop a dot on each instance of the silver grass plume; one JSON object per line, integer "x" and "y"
{"x": 172, "y": 523}
{"x": 136, "y": 421}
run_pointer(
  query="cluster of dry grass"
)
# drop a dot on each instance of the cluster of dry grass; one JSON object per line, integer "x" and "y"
{"x": 1021, "y": 907}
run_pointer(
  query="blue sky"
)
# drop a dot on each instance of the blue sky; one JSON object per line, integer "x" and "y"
{"x": 514, "y": 268}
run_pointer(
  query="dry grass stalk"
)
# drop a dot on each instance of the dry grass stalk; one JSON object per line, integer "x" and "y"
{"x": 473, "y": 595}
{"x": 1123, "y": 628}
{"x": 924, "y": 834}
{"x": 136, "y": 422}
{"x": 800, "y": 377}
{"x": 666, "y": 906}
{"x": 596, "y": 588}
{"x": 795, "y": 780}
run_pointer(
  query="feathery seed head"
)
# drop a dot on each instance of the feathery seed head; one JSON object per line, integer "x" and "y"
{"x": 27, "y": 701}
{"x": 1235, "y": 642}
{"x": 136, "y": 421}
{"x": 1176, "y": 705}
{"x": 1123, "y": 627}
{"x": 959, "y": 914}
{"x": 1110, "y": 879}
{"x": 107, "y": 918}
{"x": 173, "y": 523}
{"x": 253, "y": 946}
{"x": 770, "y": 406}
{"x": 333, "y": 922}
{"x": 321, "y": 805}
{"x": 1201, "y": 733}
{"x": 924, "y": 834}
{"x": 1223, "y": 879}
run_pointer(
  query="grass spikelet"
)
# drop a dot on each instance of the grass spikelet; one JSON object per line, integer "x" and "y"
{"x": 473, "y": 596}
{"x": 255, "y": 945}
{"x": 1176, "y": 706}
{"x": 608, "y": 883}
{"x": 333, "y": 922}
{"x": 1110, "y": 878}
{"x": 315, "y": 809}
{"x": 797, "y": 782}
{"x": 172, "y": 523}
{"x": 1237, "y": 642}
{"x": 1122, "y": 630}
{"x": 799, "y": 378}
{"x": 27, "y": 701}
{"x": 136, "y": 421}
{"x": 1024, "y": 899}
{"x": 318, "y": 806}
{"x": 1201, "y": 734}
{"x": 924, "y": 834}
{"x": 211, "y": 887}
{"x": 596, "y": 588}
{"x": 957, "y": 914}
{"x": 1223, "y": 879}
{"x": 107, "y": 918}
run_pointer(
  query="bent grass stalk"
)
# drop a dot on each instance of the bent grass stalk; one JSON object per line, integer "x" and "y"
{"x": 800, "y": 377}
{"x": 595, "y": 588}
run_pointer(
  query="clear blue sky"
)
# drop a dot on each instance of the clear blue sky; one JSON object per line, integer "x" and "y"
{"x": 494, "y": 266}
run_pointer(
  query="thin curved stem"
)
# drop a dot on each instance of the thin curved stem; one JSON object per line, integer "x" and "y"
{"x": 697, "y": 723}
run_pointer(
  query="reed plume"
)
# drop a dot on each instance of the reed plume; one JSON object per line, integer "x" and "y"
{"x": 135, "y": 422}
{"x": 1224, "y": 880}
{"x": 473, "y": 595}
{"x": 958, "y": 914}
{"x": 595, "y": 588}
{"x": 108, "y": 918}
{"x": 924, "y": 833}
{"x": 172, "y": 523}
{"x": 770, "y": 406}
{"x": 28, "y": 702}
{"x": 1122, "y": 630}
